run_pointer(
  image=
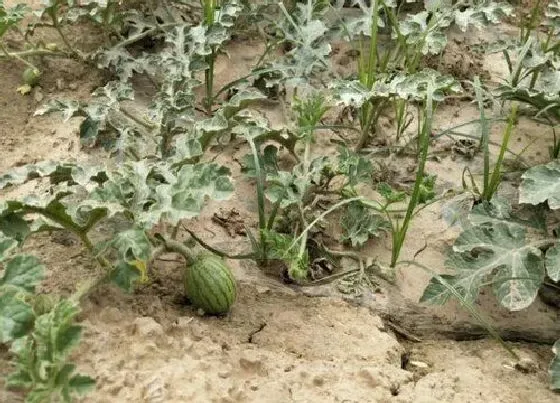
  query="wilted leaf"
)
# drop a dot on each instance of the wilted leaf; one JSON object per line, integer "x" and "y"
{"x": 541, "y": 183}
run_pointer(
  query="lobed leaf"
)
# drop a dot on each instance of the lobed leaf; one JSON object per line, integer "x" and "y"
{"x": 359, "y": 224}
{"x": 541, "y": 184}
{"x": 16, "y": 316}
{"x": 23, "y": 272}
{"x": 498, "y": 251}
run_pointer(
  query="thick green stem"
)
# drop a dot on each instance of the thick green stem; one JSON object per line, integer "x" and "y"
{"x": 400, "y": 232}
{"x": 209, "y": 79}
{"x": 496, "y": 174}
{"x": 484, "y": 130}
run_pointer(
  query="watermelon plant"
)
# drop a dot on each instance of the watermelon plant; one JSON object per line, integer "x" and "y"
{"x": 159, "y": 171}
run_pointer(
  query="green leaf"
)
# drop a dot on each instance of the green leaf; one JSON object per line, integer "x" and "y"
{"x": 6, "y": 246}
{"x": 11, "y": 16}
{"x": 19, "y": 380}
{"x": 497, "y": 210}
{"x": 541, "y": 183}
{"x": 482, "y": 14}
{"x": 125, "y": 275}
{"x": 427, "y": 192}
{"x": 554, "y": 369}
{"x": 389, "y": 194}
{"x": 361, "y": 25}
{"x": 552, "y": 263}
{"x": 16, "y": 317}
{"x": 184, "y": 196}
{"x": 132, "y": 244}
{"x": 14, "y": 226}
{"x": 356, "y": 168}
{"x": 305, "y": 30}
{"x": 428, "y": 38}
{"x": 438, "y": 291}
{"x": 69, "y": 108}
{"x": 499, "y": 252}
{"x": 81, "y": 384}
{"x": 268, "y": 162}
{"x": 360, "y": 223}
{"x": 41, "y": 362}
{"x": 23, "y": 271}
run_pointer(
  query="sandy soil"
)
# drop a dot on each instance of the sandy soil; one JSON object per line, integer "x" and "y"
{"x": 279, "y": 343}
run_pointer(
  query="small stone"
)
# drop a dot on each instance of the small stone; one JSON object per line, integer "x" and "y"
{"x": 129, "y": 380}
{"x": 60, "y": 84}
{"x": 224, "y": 374}
{"x": 527, "y": 366}
{"x": 417, "y": 364}
{"x": 182, "y": 322}
{"x": 262, "y": 290}
{"x": 250, "y": 361}
{"x": 373, "y": 377}
{"x": 318, "y": 380}
{"x": 38, "y": 94}
{"x": 73, "y": 86}
{"x": 154, "y": 391}
{"x": 147, "y": 326}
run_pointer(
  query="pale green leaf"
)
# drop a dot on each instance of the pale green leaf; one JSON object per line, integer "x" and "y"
{"x": 11, "y": 16}
{"x": 16, "y": 317}
{"x": 498, "y": 252}
{"x": 552, "y": 263}
{"x": 7, "y": 245}
{"x": 438, "y": 291}
{"x": 554, "y": 369}
{"x": 23, "y": 271}
{"x": 359, "y": 224}
{"x": 541, "y": 184}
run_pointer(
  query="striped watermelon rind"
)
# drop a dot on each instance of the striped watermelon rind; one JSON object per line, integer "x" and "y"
{"x": 210, "y": 285}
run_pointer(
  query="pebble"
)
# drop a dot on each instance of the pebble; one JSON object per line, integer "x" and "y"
{"x": 60, "y": 84}
{"x": 147, "y": 326}
{"x": 527, "y": 366}
{"x": 250, "y": 360}
{"x": 154, "y": 391}
{"x": 373, "y": 377}
{"x": 73, "y": 86}
{"x": 38, "y": 94}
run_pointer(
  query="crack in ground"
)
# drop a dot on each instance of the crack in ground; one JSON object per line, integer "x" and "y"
{"x": 254, "y": 332}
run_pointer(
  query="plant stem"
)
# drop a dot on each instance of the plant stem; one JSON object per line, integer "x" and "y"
{"x": 496, "y": 174}
{"x": 467, "y": 305}
{"x": 485, "y": 131}
{"x": 399, "y": 234}
{"x": 217, "y": 251}
{"x": 209, "y": 79}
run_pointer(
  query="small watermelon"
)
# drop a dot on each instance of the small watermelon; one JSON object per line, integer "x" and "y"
{"x": 31, "y": 76}
{"x": 210, "y": 285}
